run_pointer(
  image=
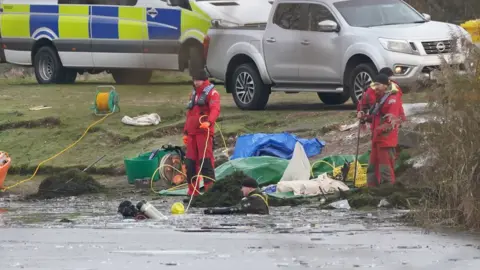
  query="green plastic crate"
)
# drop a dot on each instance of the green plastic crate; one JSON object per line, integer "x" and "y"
{"x": 141, "y": 167}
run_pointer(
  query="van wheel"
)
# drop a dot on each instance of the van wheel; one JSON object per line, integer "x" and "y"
{"x": 333, "y": 98}
{"x": 70, "y": 75}
{"x": 196, "y": 59}
{"x": 360, "y": 79}
{"x": 247, "y": 88}
{"x": 126, "y": 76}
{"x": 48, "y": 67}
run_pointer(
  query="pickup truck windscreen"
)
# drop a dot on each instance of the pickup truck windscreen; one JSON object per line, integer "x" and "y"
{"x": 369, "y": 13}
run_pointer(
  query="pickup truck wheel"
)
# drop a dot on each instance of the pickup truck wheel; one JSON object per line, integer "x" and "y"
{"x": 360, "y": 79}
{"x": 333, "y": 98}
{"x": 248, "y": 90}
{"x": 124, "y": 76}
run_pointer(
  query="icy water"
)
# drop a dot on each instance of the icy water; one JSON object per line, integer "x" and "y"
{"x": 32, "y": 237}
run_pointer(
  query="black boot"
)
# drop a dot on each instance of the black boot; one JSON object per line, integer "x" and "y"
{"x": 208, "y": 171}
{"x": 191, "y": 170}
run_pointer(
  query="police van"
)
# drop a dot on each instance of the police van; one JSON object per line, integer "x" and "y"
{"x": 128, "y": 38}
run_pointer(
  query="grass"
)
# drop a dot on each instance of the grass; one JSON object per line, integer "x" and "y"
{"x": 32, "y": 136}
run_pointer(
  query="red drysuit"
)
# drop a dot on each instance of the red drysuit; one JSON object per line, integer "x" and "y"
{"x": 204, "y": 106}
{"x": 366, "y": 103}
{"x": 400, "y": 94}
{"x": 368, "y": 100}
{"x": 385, "y": 122}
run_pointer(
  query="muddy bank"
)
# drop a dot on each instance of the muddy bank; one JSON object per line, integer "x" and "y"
{"x": 393, "y": 196}
{"x": 66, "y": 184}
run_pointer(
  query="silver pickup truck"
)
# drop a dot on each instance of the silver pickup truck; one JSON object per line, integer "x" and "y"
{"x": 330, "y": 47}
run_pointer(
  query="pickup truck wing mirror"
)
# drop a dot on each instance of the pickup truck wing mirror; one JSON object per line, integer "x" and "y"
{"x": 328, "y": 26}
{"x": 427, "y": 17}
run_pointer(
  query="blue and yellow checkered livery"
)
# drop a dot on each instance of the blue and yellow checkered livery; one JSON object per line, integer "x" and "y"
{"x": 97, "y": 22}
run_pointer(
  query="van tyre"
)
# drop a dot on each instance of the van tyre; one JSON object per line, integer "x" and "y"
{"x": 48, "y": 67}
{"x": 360, "y": 79}
{"x": 333, "y": 98}
{"x": 247, "y": 88}
{"x": 69, "y": 77}
{"x": 196, "y": 59}
{"x": 125, "y": 76}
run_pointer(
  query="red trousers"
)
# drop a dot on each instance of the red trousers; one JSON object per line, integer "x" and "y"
{"x": 194, "y": 157}
{"x": 381, "y": 166}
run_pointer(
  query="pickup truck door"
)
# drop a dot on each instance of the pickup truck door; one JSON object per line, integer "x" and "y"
{"x": 319, "y": 51}
{"x": 281, "y": 42}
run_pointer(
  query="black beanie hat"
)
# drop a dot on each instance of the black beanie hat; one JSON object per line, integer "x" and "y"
{"x": 200, "y": 75}
{"x": 387, "y": 71}
{"x": 382, "y": 78}
{"x": 249, "y": 182}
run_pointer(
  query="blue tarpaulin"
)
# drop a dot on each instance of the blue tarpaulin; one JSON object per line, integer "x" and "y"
{"x": 277, "y": 145}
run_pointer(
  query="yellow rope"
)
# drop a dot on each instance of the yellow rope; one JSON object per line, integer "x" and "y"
{"x": 194, "y": 177}
{"x": 102, "y": 103}
{"x": 361, "y": 172}
{"x": 57, "y": 154}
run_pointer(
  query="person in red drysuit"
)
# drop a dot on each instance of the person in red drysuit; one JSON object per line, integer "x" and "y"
{"x": 368, "y": 99}
{"x": 202, "y": 113}
{"x": 389, "y": 72}
{"x": 394, "y": 87}
{"x": 386, "y": 117}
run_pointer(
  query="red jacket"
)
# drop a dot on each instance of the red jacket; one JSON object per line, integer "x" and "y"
{"x": 385, "y": 123}
{"x": 400, "y": 94}
{"x": 369, "y": 99}
{"x": 210, "y": 108}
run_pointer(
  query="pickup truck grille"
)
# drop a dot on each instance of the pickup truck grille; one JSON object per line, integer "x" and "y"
{"x": 438, "y": 47}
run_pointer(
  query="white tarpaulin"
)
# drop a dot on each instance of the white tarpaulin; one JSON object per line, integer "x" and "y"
{"x": 322, "y": 185}
{"x": 299, "y": 166}
{"x": 152, "y": 119}
{"x": 296, "y": 177}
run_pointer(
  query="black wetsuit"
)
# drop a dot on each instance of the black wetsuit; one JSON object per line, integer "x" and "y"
{"x": 255, "y": 203}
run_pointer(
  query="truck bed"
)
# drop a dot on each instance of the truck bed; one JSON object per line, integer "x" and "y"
{"x": 223, "y": 39}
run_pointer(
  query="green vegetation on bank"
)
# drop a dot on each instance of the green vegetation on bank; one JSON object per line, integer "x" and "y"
{"x": 32, "y": 136}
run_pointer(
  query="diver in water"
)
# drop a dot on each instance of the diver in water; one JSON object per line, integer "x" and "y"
{"x": 253, "y": 202}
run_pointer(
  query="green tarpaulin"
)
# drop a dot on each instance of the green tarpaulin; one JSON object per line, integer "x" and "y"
{"x": 325, "y": 164}
{"x": 269, "y": 170}
{"x": 266, "y": 170}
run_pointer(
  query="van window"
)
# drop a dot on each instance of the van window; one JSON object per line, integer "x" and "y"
{"x": 99, "y": 2}
{"x": 185, "y": 4}
{"x": 288, "y": 16}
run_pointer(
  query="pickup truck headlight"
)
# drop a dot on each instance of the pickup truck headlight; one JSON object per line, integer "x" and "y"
{"x": 394, "y": 45}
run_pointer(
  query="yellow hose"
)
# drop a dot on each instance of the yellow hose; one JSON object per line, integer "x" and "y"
{"x": 101, "y": 101}
{"x": 58, "y": 154}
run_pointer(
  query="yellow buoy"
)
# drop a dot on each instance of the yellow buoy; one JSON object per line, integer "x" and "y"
{"x": 473, "y": 28}
{"x": 178, "y": 208}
